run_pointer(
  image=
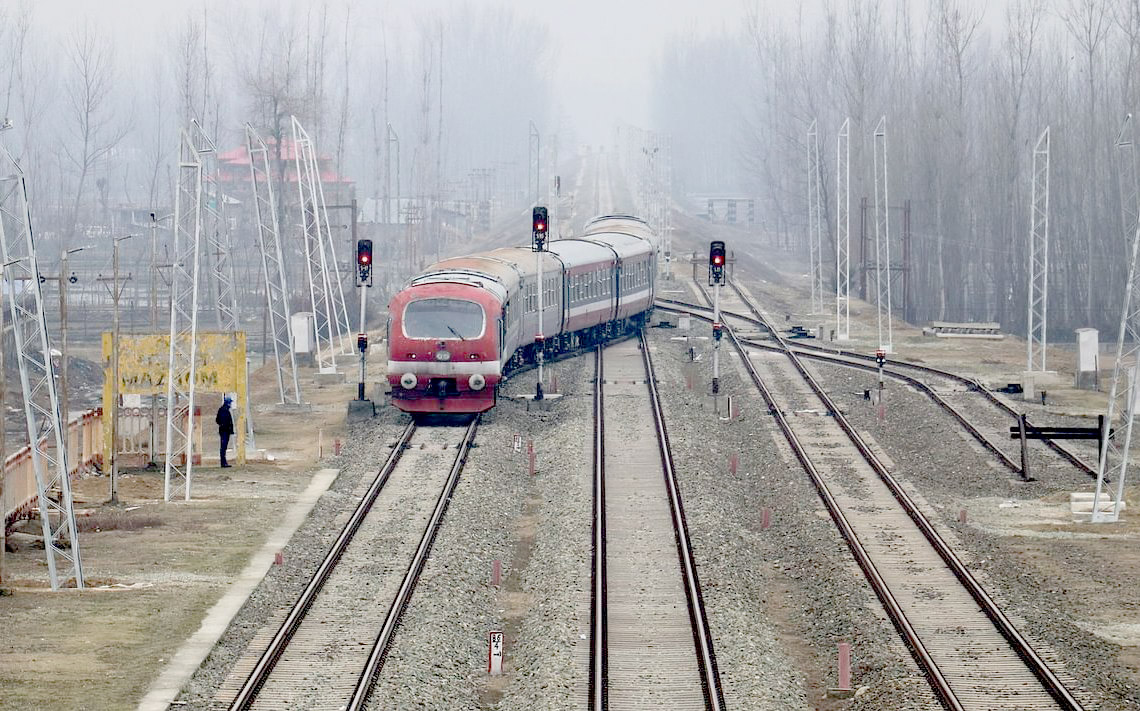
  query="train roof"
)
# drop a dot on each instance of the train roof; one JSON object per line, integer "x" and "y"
{"x": 626, "y": 224}
{"x": 577, "y": 251}
{"x": 626, "y": 245}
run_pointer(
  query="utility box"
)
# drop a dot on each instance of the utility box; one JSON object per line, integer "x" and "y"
{"x": 304, "y": 337}
{"x": 1088, "y": 358}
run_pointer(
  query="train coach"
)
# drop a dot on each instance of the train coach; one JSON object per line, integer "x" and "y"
{"x": 462, "y": 325}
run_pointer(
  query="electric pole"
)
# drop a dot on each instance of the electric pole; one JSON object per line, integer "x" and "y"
{"x": 116, "y": 291}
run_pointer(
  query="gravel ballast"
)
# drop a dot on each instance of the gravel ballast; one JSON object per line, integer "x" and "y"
{"x": 937, "y": 466}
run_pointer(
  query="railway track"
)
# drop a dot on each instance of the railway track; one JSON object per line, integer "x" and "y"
{"x": 329, "y": 647}
{"x": 650, "y": 646}
{"x": 941, "y": 386}
{"x": 972, "y": 654}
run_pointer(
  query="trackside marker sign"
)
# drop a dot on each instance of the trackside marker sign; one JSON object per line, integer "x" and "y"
{"x": 495, "y": 652}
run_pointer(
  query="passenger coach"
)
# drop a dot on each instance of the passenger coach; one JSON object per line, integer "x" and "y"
{"x": 457, "y": 329}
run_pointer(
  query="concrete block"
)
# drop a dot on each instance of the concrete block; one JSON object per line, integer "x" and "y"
{"x": 359, "y": 410}
{"x": 1086, "y": 380}
{"x": 1083, "y": 501}
{"x": 333, "y": 378}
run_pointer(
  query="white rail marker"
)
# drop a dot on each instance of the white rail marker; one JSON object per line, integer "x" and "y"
{"x": 495, "y": 652}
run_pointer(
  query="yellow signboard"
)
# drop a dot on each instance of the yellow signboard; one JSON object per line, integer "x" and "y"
{"x": 144, "y": 363}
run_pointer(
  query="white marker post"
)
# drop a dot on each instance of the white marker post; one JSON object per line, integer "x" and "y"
{"x": 495, "y": 653}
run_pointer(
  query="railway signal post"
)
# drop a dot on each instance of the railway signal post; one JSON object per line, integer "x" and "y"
{"x": 540, "y": 225}
{"x": 361, "y": 405}
{"x": 716, "y": 278}
{"x": 881, "y": 359}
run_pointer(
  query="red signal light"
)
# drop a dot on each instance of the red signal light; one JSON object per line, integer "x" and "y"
{"x": 539, "y": 220}
{"x": 364, "y": 252}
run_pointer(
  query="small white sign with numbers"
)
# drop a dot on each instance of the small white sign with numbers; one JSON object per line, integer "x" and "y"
{"x": 495, "y": 653}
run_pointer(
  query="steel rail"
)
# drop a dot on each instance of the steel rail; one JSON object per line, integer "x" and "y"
{"x": 972, "y": 383}
{"x": 384, "y": 639}
{"x": 269, "y": 658}
{"x": 846, "y": 530}
{"x": 1019, "y": 644}
{"x": 903, "y": 377}
{"x": 702, "y": 637}
{"x": 599, "y": 663}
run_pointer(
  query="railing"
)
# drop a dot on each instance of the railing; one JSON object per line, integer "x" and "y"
{"x": 85, "y": 445}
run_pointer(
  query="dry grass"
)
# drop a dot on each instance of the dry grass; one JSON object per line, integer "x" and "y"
{"x": 117, "y": 521}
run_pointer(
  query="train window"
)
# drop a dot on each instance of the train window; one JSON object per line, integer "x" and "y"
{"x": 443, "y": 319}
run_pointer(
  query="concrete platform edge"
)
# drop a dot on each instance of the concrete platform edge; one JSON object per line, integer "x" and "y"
{"x": 191, "y": 654}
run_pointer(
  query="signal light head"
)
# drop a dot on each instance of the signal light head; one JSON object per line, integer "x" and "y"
{"x": 364, "y": 252}
{"x": 540, "y": 221}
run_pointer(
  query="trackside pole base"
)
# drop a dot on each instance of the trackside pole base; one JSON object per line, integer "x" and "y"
{"x": 548, "y": 401}
{"x": 360, "y": 410}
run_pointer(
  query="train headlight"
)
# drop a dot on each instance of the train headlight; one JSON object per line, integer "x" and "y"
{"x": 442, "y": 355}
{"x": 477, "y": 382}
{"x": 408, "y": 381}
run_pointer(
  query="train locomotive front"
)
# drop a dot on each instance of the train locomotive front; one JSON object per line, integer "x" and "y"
{"x": 444, "y": 338}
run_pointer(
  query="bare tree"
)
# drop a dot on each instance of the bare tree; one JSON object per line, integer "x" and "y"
{"x": 1089, "y": 22}
{"x": 97, "y": 131}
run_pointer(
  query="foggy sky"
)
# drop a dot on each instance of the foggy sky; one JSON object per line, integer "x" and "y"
{"x": 605, "y": 49}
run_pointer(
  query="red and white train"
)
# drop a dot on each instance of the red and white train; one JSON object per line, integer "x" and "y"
{"x": 457, "y": 329}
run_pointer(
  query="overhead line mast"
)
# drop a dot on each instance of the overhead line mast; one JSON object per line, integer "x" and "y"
{"x": 273, "y": 268}
{"x": 37, "y": 378}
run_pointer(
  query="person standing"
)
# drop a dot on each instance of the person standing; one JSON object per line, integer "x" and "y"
{"x": 225, "y": 420}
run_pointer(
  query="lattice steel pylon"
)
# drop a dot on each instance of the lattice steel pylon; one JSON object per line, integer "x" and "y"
{"x": 882, "y": 237}
{"x": 316, "y": 260}
{"x": 1116, "y": 448}
{"x": 273, "y": 267}
{"x": 216, "y": 228}
{"x": 336, "y": 282}
{"x": 21, "y": 289}
{"x": 1037, "y": 324}
{"x": 184, "y": 274}
{"x": 815, "y": 220}
{"x": 843, "y": 232}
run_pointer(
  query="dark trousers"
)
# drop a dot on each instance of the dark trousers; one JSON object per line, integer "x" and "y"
{"x": 225, "y": 443}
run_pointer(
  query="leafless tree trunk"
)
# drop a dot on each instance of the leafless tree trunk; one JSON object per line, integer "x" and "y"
{"x": 88, "y": 89}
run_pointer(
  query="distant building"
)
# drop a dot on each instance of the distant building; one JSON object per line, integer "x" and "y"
{"x": 233, "y": 174}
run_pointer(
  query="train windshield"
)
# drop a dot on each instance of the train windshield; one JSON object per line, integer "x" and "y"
{"x": 443, "y": 319}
